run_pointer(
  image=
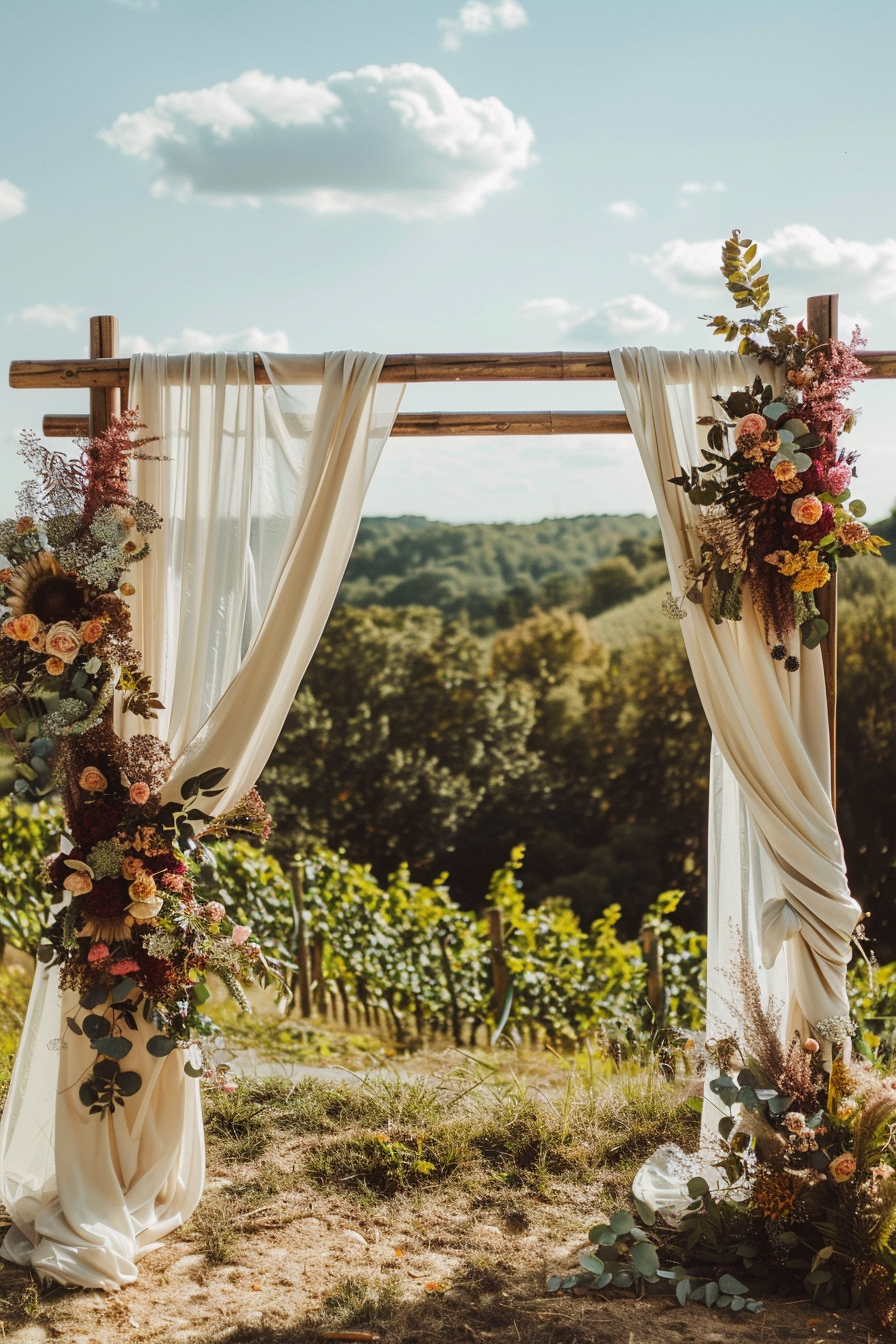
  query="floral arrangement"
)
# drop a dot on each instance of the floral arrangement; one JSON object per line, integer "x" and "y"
{"x": 775, "y": 486}
{"x": 807, "y": 1160}
{"x": 130, "y": 933}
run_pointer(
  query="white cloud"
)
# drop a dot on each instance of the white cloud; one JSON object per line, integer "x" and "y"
{"x": 792, "y": 253}
{"x": 52, "y": 315}
{"x": 688, "y": 190}
{"x": 478, "y": 19}
{"x": 397, "y": 140}
{"x": 624, "y": 209}
{"x": 632, "y": 315}
{"x": 190, "y": 340}
{"x": 12, "y": 200}
{"x": 685, "y": 267}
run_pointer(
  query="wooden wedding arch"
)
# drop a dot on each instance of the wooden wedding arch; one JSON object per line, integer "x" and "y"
{"x": 105, "y": 375}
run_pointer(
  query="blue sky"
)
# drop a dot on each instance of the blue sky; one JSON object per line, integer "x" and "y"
{"x": 440, "y": 175}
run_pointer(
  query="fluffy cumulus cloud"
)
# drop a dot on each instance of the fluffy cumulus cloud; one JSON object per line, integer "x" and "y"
{"x": 624, "y": 209}
{"x": 12, "y": 199}
{"x": 478, "y": 19}
{"x": 52, "y": 315}
{"x": 190, "y": 340}
{"x": 398, "y": 140}
{"x": 689, "y": 190}
{"x": 798, "y": 253}
{"x": 631, "y": 317}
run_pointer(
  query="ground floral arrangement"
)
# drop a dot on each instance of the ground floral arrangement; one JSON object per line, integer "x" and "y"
{"x": 130, "y": 932}
{"x": 807, "y": 1182}
{"x": 775, "y": 483}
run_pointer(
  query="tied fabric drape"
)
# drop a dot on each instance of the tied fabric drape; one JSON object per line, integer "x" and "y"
{"x": 261, "y": 492}
{"x": 776, "y": 877}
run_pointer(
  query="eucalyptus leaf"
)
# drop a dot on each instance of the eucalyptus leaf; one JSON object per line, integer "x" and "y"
{"x": 114, "y": 1047}
{"x": 697, "y": 1187}
{"x": 775, "y": 410}
{"x": 553, "y": 1283}
{"x": 645, "y": 1212}
{"x": 602, "y": 1235}
{"x": 95, "y": 1027}
{"x": 193, "y": 1070}
{"x": 621, "y": 1223}
{"x": 729, "y": 1284}
{"x": 622, "y": 1280}
{"x": 644, "y": 1258}
{"x": 712, "y": 1293}
{"x": 128, "y": 1083}
{"x": 160, "y": 1046}
{"x": 94, "y": 997}
{"x": 73, "y": 1026}
{"x": 857, "y": 508}
{"x": 604, "y": 1279}
{"x": 591, "y": 1263}
{"x": 123, "y": 989}
{"x": 738, "y": 1303}
{"x": 682, "y": 1290}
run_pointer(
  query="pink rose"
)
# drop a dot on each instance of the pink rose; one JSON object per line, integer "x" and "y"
{"x": 239, "y": 935}
{"x": 125, "y": 967}
{"x": 78, "y": 884}
{"x": 838, "y": 478}
{"x": 807, "y": 509}
{"x": 214, "y": 912}
{"x": 91, "y": 631}
{"x": 139, "y": 793}
{"x": 99, "y": 952}
{"x": 751, "y": 426}
{"x": 63, "y": 641}
{"x": 843, "y": 1168}
{"x": 92, "y": 780}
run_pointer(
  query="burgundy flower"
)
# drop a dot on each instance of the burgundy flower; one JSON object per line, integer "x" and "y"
{"x": 761, "y": 483}
{"x": 107, "y": 900}
{"x": 96, "y": 821}
{"x": 838, "y": 478}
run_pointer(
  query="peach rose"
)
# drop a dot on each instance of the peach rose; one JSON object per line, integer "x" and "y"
{"x": 751, "y": 426}
{"x": 239, "y": 935}
{"x": 131, "y": 866}
{"x": 139, "y": 793}
{"x": 5, "y": 575}
{"x": 23, "y": 628}
{"x": 93, "y": 780}
{"x": 90, "y": 631}
{"x": 55, "y": 667}
{"x": 843, "y": 1168}
{"x": 811, "y": 1046}
{"x": 78, "y": 884}
{"x": 806, "y": 509}
{"x": 214, "y": 912}
{"x": 64, "y": 641}
{"x": 127, "y": 589}
{"x": 785, "y": 471}
{"x": 99, "y": 952}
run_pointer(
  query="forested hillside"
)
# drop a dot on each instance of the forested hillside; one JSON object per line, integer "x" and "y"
{"x": 495, "y": 573}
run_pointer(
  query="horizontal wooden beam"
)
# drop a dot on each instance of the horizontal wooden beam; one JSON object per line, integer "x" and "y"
{"x": 552, "y": 367}
{"x": 426, "y": 424}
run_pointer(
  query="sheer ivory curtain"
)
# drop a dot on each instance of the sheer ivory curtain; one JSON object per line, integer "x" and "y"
{"x": 776, "y": 873}
{"x": 261, "y": 494}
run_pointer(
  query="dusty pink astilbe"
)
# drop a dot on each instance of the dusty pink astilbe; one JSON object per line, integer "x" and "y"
{"x": 839, "y": 368}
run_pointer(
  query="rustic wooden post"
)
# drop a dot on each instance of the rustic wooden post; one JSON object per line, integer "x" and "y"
{"x": 317, "y": 973}
{"x": 301, "y": 979}
{"x": 105, "y": 402}
{"x": 653, "y": 958}
{"x": 822, "y": 312}
{"x": 500, "y": 973}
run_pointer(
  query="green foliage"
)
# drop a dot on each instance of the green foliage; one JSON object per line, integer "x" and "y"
{"x": 27, "y": 833}
{"x": 492, "y": 574}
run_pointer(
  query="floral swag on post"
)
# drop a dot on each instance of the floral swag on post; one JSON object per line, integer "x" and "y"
{"x": 131, "y": 934}
{"x": 779, "y": 509}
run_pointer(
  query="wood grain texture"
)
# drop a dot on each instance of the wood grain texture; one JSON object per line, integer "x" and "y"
{"x": 438, "y": 424}
{"x": 556, "y": 367}
{"x": 105, "y": 402}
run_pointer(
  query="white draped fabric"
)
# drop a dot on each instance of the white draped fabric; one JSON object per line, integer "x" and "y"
{"x": 776, "y": 875}
{"x": 261, "y": 492}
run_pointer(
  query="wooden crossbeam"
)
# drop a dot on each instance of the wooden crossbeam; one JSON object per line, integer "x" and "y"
{"x": 436, "y": 424}
{"x": 558, "y": 366}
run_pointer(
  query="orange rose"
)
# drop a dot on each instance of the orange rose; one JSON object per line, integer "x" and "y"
{"x": 23, "y": 628}
{"x": 63, "y": 641}
{"x": 139, "y": 793}
{"x": 90, "y": 631}
{"x": 5, "y": 575}
{"x": 93, "y": 780}
{"x": 55, "y": 667}
{"x": 785, "y": 471}
{"x": 131, "y": 866}
{"x": 807, "y": 509}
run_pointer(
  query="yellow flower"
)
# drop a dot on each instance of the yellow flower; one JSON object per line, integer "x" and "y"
{"x": 791, "y": 487}
{"x": 785, "y": 471}
{"x": 810, "y": 578}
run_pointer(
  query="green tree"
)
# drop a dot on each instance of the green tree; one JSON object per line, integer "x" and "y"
{"x": 397, "y": 735}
